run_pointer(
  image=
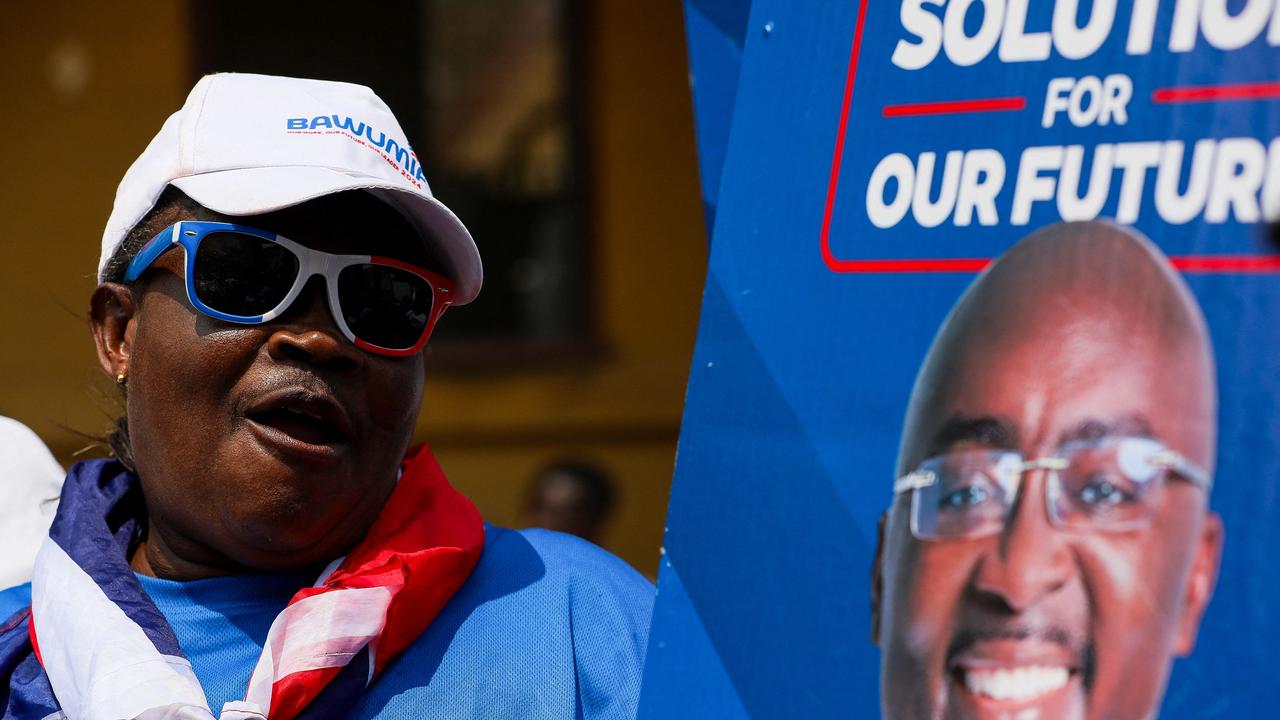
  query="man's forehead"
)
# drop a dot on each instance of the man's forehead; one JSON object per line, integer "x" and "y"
{"x": 1050, "y": 343}
{"x": 1034, "y": 392}
{"x": 1005, "y": 432}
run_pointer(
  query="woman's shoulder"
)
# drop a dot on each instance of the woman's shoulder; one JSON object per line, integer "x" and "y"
{"x": 559, "y": 561}
{"x": 547, "y": 623}
{"x": 533, "y": 578}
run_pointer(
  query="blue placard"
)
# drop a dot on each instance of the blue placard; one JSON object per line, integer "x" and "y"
{"x": 716, "y": 30}
{"x": 826, "y": 289}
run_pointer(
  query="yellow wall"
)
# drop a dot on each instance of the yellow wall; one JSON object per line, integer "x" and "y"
{"x": 64, "y": 153}
{"x": 89, "y": 83}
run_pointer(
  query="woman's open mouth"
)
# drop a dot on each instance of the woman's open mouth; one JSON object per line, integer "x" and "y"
{"x": 301, "y": 422}
{"x": 300, "y": 426}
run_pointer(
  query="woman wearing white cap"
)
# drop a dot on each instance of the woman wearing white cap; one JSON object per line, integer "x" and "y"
{"x": 264, "y": 543}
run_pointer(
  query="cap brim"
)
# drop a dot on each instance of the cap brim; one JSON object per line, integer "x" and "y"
{"x": 253, "y": 191}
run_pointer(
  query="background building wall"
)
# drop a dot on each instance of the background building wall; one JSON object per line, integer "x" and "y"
{"x": 90, "y": 83}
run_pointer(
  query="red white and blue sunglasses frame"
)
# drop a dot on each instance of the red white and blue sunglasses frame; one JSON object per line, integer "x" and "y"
{"x": 188, "y": 233}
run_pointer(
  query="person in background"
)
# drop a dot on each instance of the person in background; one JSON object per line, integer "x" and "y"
{"x": 30, "y": 480}
{"x": 570, "y": 496}
{"x": 265, "y": 544}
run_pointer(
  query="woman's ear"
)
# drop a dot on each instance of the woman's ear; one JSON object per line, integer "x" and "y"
{"x": 112, "y": 312}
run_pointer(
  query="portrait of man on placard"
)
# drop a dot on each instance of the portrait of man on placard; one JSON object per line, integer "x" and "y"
{"x": 1049, "y": 549}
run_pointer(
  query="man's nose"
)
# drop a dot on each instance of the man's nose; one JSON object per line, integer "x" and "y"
{"x": 1032, "y": 559}
{"x": 307, "y": 333}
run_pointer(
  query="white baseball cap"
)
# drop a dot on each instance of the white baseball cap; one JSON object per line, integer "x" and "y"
{"x": 250, "y": 144}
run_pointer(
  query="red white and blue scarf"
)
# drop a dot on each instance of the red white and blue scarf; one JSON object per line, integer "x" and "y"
{"x": 105, "y": 652}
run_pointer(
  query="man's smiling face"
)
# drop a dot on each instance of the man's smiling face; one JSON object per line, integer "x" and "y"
{"x": 1036, "y": 621}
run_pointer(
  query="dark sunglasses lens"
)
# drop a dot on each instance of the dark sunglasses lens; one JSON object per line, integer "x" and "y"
{"x": 383, "y": 305}
{"x": 242, "y": 275}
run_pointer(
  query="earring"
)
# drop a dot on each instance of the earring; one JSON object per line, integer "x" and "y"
{"x": 120, "y": 378}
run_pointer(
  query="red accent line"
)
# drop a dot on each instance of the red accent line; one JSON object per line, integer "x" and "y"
{"x": 370, "y": 347}
{"x": 951, "y": 107}
{"x": 437, "y": 281}
{"x": 1206, "y": 93}
{"x": 31, "y": 632}
{"x": 1226, "y": 263}
{"x": 914, "y": 265}
{"x": 827, "y": 256}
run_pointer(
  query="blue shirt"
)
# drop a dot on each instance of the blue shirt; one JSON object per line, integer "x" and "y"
{"x": 14, "y": 599}
{"x": 546, "y": 626}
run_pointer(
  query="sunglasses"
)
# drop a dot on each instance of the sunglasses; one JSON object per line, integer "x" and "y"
{"x": 245, "y": 275}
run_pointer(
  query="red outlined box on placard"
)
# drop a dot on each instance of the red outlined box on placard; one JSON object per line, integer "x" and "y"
{"x": 1256, "y": 263}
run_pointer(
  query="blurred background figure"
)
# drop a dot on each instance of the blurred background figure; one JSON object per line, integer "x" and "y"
{"x": 572, "y": 497}
{"x": 30, "y": 481}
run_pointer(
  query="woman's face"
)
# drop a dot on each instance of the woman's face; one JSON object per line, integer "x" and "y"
{"x": 260, "y": 447}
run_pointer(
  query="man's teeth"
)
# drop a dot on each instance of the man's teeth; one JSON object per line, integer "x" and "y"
{"x": 1021, "y": 683}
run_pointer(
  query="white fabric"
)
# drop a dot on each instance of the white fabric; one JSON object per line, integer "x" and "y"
{"x": 124, "y": 676}
{"x": 238, "y": 710}
{"x": 235, "y": 126}
{"x": 322, "y": 631}
{"x": 30, "y": 482}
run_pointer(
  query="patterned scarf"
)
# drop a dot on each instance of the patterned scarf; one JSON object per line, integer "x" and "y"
{"x": 107, "y": 653}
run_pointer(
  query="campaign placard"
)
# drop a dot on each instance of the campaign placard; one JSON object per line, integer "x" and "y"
{"x": 980, "y": 419}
